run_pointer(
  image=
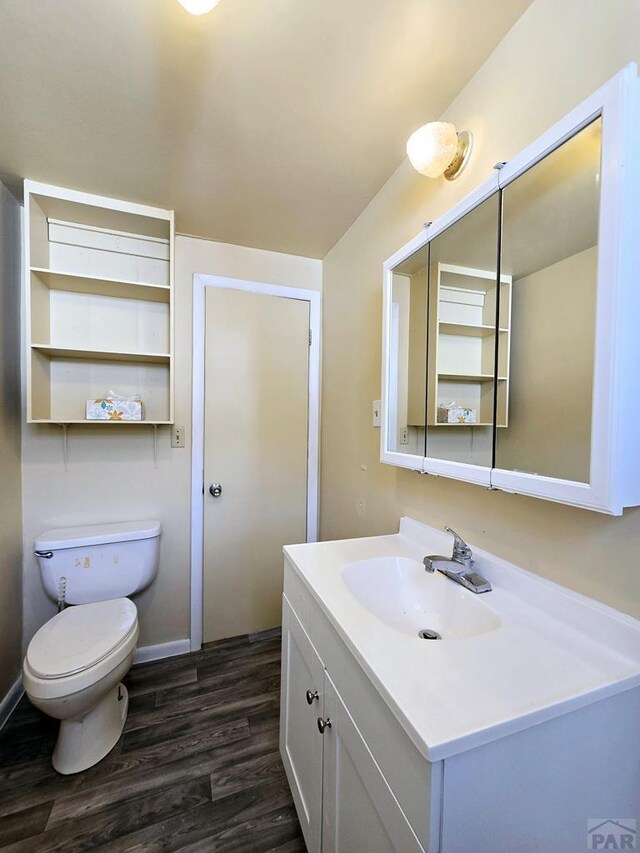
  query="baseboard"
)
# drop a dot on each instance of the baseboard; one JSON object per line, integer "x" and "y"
{"x": 9, "y": 702}
{"x": 162, "y": 650}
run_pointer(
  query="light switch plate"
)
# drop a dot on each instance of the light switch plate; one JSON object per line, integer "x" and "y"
{"x": 376, "y": 412}
{"x": 177, "y": 436}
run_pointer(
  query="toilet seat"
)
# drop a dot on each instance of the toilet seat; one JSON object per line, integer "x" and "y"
{"x": 79, "y": 646}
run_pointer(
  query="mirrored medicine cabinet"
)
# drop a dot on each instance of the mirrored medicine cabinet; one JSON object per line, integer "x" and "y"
{"x": 511, "y": 325}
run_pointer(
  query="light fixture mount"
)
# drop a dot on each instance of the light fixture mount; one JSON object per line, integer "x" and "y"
{"x": 461, "y": 157}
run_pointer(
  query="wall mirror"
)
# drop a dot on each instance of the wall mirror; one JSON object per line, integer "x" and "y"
{"x": 461, "y": 393}
{"x": 550, "y": 248}
{"x": 511, "y": 343}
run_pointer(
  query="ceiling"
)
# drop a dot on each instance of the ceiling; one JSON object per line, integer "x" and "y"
{"x": 267, "y": 123}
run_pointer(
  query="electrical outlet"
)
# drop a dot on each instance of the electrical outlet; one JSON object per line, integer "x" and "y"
{"x": 404, "y": 435}
{"x": 177, "y": 436}
{"x": 376, "y": 413}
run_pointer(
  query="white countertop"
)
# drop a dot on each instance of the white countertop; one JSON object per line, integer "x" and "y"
{"x": 555, "y": 650}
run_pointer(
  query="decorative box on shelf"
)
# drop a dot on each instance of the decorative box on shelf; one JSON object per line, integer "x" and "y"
{"x": 452, "y": 414}
{"x": 115, "y": 408}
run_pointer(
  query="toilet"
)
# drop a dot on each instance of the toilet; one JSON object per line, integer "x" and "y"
{"x": 75, "y": 663}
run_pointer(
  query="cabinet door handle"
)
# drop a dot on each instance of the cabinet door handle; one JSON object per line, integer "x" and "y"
{"x": 323, "y": 724}
{"x": 311, "y": 696}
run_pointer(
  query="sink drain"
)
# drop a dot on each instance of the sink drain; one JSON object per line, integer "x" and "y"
{"x": 429, "y": 634}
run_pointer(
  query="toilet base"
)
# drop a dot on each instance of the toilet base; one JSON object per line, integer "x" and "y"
{"x": 84, "y": 741}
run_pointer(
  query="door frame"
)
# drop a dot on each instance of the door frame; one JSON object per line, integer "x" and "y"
{"x": 313, "y": 297}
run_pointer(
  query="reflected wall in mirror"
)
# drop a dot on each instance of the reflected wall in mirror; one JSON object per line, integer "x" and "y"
{"x": 550, "y": 249}
{"x": 408, "y": 348}
{"x": 462, "y": 339}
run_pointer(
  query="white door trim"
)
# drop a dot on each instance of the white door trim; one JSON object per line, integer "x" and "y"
{"x": 200, "y": 282}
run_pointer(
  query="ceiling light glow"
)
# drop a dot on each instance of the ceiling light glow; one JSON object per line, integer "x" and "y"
{"x": 198, "y": 7}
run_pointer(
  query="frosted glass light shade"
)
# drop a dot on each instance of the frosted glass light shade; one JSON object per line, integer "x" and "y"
{"x": 437, "y": 149}
{"x": 198, "y": 7}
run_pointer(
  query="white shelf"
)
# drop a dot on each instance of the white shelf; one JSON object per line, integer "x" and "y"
{"x": 466, "y": 425}
{"x": 468, "y": 330}
{"x": 101, "y": 355}
{"x": 462, "y": 345}
{"x": 75, "y": 283}
{"x": 72, "y": 421}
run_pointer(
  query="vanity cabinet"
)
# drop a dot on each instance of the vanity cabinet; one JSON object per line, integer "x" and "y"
{"x": 343, "y": 800}
{"x": 510, "y": 324}
{"x": 364, "y": 786}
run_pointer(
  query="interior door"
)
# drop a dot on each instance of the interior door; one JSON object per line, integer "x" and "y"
{"x": 255, "y": 459}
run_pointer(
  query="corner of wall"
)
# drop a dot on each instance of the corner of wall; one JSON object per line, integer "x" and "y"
{"x": 11, "y": 546}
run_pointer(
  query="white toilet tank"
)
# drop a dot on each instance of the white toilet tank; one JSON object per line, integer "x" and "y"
{"x": 99, "y": 561}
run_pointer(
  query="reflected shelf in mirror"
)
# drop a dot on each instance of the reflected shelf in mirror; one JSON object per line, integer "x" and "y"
{"x": 470, "y": 330}
{"x": 469, "y": 377}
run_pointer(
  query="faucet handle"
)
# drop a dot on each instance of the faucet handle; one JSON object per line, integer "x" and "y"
{"x": 461, "y": 551}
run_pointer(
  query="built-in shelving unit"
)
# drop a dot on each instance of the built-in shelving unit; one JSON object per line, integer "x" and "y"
{"x": 463, "y": 327}
{"x": 99, "y": 302}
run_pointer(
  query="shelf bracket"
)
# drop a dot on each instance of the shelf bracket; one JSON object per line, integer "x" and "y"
{"x": 154, "y": 427}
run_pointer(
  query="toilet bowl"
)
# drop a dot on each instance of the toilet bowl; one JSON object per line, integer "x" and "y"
{"x": 72, "y": 672}
{"x": 75, "y": 663}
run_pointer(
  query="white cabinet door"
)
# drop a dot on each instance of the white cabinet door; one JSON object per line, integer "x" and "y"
{"x": 300, "y": 742}
{"x": 360, "y": 813}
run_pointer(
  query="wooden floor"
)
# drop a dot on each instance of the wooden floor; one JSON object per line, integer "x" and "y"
{"x": 197, "y": 768}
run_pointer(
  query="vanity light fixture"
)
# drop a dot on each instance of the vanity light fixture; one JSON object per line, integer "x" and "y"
{"x": 199, "y": 7}
{"x": 437, "y": 149}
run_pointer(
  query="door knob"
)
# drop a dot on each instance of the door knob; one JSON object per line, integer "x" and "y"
{"x": 311, "y": 695}
{"x": 215, "y": 490}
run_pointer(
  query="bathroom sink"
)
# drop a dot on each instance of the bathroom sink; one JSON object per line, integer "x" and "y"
{"x": 521, "y": 655}
{"x": 399, "y": 592}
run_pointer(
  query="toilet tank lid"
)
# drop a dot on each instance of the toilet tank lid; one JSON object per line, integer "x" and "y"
{"x": 96, "y": 534}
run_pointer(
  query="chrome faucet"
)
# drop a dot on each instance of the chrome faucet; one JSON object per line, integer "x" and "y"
{"x": 458, "y": 567}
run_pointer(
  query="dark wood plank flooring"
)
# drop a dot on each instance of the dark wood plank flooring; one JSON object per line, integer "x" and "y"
{"x": 196, "y": 769}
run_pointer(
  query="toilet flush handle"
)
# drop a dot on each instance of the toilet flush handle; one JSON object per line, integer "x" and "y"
{"x": 46, "y": 555}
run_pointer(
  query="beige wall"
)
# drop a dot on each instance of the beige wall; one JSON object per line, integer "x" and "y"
{"x": 111, "y": 477}
{"x": 557, "y": 54}
{"x": 10, "y": 421}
